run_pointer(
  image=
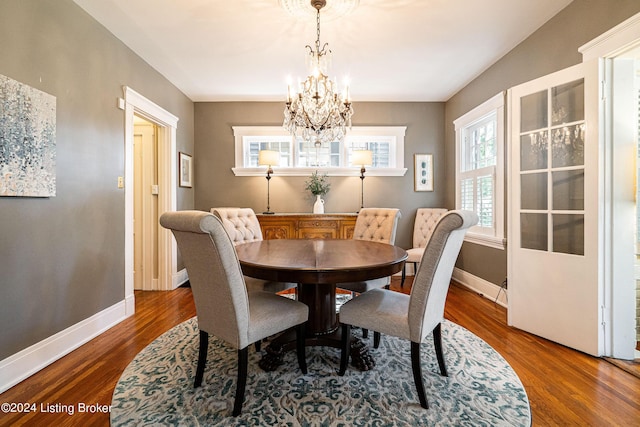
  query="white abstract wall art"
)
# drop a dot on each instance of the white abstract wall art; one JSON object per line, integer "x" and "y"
{"x": 27, "y": 140}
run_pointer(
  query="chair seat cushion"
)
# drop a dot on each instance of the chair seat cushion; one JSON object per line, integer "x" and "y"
{"x": 379, "y": 310}
{"x": 415, "y": 254}
{"x": 264, "y": 307}
{"x": 365, "y": 285}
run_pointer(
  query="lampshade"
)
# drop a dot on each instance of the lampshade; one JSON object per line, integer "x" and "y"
{"x": 362, "y": 157}
{"x": 268, "y": 158}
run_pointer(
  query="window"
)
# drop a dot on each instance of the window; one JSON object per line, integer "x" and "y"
{"x": 300, "y": 158}
{"x": 480, "y": 170}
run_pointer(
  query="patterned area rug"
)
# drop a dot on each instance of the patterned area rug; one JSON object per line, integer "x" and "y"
{"x": 481, "y": 390}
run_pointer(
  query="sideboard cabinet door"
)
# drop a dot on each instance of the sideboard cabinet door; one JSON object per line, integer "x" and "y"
{"x": 307, "y": 226}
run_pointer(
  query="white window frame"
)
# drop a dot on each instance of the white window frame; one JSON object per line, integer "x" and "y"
{"x": 357, "y": 134}
{"x": 487, "y": 236}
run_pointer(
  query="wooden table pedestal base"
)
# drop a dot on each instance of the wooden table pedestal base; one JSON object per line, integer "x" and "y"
{"x": 322, "y": 329}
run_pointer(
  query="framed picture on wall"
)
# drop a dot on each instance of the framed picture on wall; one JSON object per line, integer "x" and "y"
{"x": 423, "y": 172}
{"x": 186, "y": 170}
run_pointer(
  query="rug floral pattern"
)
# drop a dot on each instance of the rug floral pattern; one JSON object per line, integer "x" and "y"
{"x": 481, "y": 389}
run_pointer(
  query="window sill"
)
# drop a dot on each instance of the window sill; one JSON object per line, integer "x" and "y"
{"x": 329, "y": 171}
{"x": 490, "y": 241}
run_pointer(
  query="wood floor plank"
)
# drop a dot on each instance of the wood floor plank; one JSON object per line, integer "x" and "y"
{"x": 565, "y": 387}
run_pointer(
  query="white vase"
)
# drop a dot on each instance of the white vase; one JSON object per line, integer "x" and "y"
{"x": 318, "y": 206}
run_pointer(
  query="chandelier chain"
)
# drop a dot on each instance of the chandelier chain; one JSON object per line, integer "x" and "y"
{"x": 318, "y": 32}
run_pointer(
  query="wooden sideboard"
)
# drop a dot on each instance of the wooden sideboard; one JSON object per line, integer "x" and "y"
{"x": 307, "y": 226}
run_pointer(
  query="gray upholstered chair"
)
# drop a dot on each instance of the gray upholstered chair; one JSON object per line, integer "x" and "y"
{"x": 412, "y": 317}
{"x": 426, "y": 220}
{"x": 376, "y": 225}
{"x": 224, "y": 307}
{"x": 243, "y": 226}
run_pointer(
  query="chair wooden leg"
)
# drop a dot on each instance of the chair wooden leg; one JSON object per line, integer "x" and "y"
{"x": 417, "y": 374}
{"x": 301, "y": 348}
{"x": 365, "y": 333}
{"x": 437, "y": 341}
{"x": 376, "y": 339}
{"x": 202, "y": 358}
{"x": 243, "y": 361}
{"x": 346, "y": 348}
{"x": 404, "y": 275}
{"x": 258, "y": 345}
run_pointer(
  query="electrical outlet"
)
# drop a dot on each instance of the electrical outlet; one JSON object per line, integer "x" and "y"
{"x": 120, "y": 182}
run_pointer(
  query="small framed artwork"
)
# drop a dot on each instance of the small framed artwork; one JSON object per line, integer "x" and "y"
{"x": 423, "y": 172}
{"x": 186, "y": 170}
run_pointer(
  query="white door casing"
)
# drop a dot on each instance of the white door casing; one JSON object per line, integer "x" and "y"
{"x": 556, "y": 292}
{"x": 616, "y": 47}
{"x": 134, "y": 103}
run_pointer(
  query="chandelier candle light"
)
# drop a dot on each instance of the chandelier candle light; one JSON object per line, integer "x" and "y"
{"x": 268, "y": 158}
{"x": 317, "y": 110}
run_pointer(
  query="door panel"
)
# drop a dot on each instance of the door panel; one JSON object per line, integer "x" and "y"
{"x": 553, "y": 234}
{"x": 146, "y": 268}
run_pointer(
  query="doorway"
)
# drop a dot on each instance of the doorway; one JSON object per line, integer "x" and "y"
{"x": 623, "y": 80}
{"x": 145, "y": 205}
{"x": 165, "y": 125}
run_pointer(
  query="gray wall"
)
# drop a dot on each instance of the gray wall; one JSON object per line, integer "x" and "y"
{"x": 216, "y": 185}
{"x": 62, "y": 258}
{"x": 553, "y": 47}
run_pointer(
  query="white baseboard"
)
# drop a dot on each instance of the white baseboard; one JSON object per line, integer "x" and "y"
{"x": 487, "y": 289}
{"x": 27, "y": 362}
{"x": 130, "y": 305}
{"x": 180, "y": 278}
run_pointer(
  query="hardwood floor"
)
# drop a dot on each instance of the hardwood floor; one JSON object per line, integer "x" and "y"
{"x": 565, "y": 387}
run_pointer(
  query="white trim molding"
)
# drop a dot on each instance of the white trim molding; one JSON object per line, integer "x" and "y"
{"x": 27, "y": 362}
{"x": 180, "y": 278}
{"x": 486, "y": 289}
{"x": 613, "y": 42}
{"x": 494, "y": 236}
{"x": 394, "y": 133}
{"x": 136, "y": 104}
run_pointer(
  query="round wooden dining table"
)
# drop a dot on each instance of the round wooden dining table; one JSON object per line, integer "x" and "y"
{"x": 317, "y": 265}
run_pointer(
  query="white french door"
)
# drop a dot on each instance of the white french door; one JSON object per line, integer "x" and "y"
{"x": 553, "y": 211}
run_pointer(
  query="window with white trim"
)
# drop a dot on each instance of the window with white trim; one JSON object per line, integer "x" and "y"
{"x": 480, "y": 170}
{"x": 300, "y": 158}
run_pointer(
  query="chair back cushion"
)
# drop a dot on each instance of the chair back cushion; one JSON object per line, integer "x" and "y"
{"x": 215, "y": 274}
{"x": 241, "y": 224}
{"x": 431, "y": 282}
{"x": 426, "y": 220}
{"x": 377, "y": 225}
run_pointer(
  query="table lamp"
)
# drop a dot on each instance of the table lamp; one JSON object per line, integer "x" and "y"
{"x": 268, "y": 158}
{"x": 362, "y": 158}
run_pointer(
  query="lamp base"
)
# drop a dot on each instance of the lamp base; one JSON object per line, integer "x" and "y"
{"x": 268, "y": 213}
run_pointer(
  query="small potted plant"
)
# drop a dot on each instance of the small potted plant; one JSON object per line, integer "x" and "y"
{"x": 318, "y": 185}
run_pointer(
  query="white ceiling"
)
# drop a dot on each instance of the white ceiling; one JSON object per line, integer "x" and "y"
{"x": 390, "y": 50}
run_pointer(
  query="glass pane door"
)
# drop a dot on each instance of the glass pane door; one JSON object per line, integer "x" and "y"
{"x": 553, "y": 210}
{"x": 552, "y": 124}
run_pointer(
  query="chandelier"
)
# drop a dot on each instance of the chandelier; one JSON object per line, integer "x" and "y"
{"x": 317, "y": 111}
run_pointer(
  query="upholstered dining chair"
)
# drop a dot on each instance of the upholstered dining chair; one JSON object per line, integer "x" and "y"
{"x": 413, "y": 316}
{"x": 243, "y": 226}
{"x": 376, "y": 225}
{"x": 425, "y": 222}
{"x": 224, "y": 308}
